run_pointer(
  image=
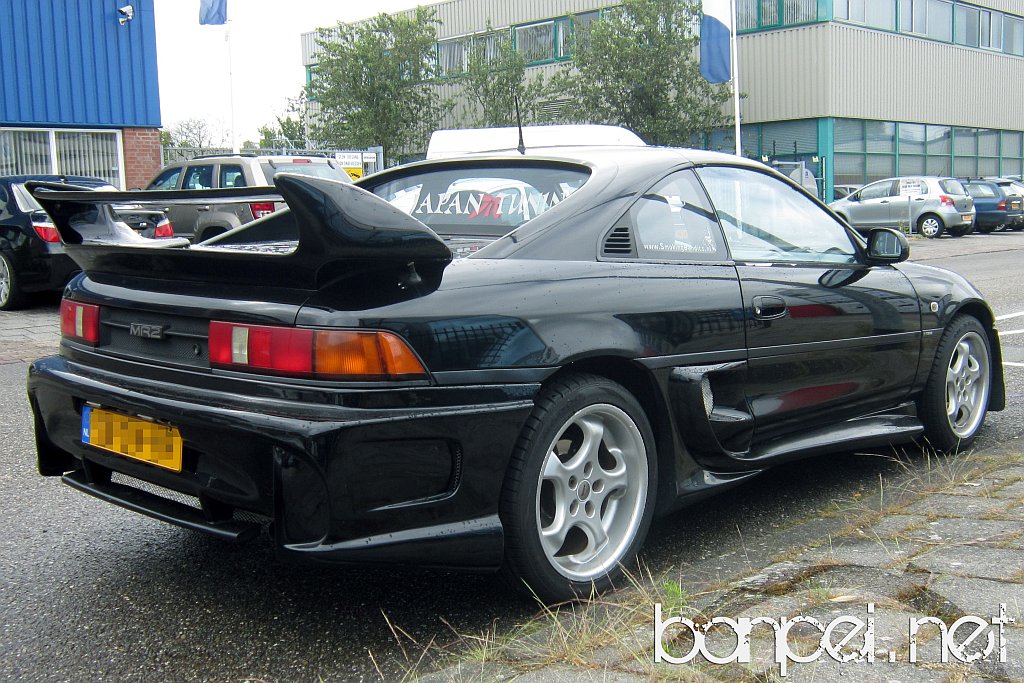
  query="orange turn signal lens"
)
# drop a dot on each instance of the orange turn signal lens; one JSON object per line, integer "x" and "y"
{"x": 365, "y": 355}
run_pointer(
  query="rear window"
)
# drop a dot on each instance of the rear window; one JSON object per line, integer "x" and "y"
{"x": 315, "y": 169}
{"x": 982, "y": 190}
{"x": 952, "y": 186}
{"x": 26, "y": 202}
{"x": 484, "y": 200}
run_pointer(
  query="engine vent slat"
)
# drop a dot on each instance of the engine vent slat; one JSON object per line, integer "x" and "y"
{"x": 619, "y": 242}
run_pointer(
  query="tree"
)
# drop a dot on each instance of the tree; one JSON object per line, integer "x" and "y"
{"x": 373, "y": 83}
{"x": 637, "y": 68}
{"x": 192, "y": 133}
{"x": 495, "y": 76}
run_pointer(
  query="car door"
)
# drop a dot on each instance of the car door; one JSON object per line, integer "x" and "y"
{"x": 869, "y": 207}
{"x": 185, "y": 216}
{"x": 828, "y": 337}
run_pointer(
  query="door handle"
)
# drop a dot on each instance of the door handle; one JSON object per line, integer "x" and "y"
{"x": 769, "y": 307}
{"x": 205, "y": 207}
{"x": 884, "y": 201}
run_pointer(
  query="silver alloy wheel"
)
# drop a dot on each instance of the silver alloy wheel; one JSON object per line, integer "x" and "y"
{"x": 930, "y": 226}
{"x": 5, "y": 282}
{"x": 967, "y": 385}
{"x": 591, "y": 492}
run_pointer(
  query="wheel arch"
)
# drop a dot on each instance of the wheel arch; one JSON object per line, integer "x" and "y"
{"x": 983, "y": 314}
{"x": 644, "y": 386}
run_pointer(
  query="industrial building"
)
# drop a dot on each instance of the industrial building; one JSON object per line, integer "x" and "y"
{"x": 78, "y": 91}
{"x": 854, "y": 89}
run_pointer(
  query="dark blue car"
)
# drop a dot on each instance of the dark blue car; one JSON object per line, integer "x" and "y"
{"x": 996, "y": 209}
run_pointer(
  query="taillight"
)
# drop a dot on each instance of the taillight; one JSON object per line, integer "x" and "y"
{"x": 47, "y": 232}
{"x": 946, "y": 201}
{"x": 302, "y": 161}
{"x": 1001, "y": 206}
{"x": 80, "y": 322}
{"x": 261, "y": 209}
{"x": 164, "y": 229}
{"x": 328, "y": 354}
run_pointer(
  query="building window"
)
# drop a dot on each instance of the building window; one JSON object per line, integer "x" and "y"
{"x": 536, "y": 42}
{"x": 759, "y": 14}
{"x": 1013, "y": 36}
{"x": 62, "y": 152}
{"x": 966, "y": 26}
{"x": 452, "y": 57}
{"x": 581, "y": 26}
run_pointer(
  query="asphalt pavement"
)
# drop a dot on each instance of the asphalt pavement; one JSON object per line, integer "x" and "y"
{"x": 91, "y": 592}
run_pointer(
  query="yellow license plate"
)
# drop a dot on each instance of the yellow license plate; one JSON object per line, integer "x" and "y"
{"x": 968, "y": 218}
{"x": 132, "y": 437}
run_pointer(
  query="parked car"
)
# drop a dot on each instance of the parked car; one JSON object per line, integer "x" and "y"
{"x": 931, "y": 205}
{"x": 670, "y": 323}
{"x": 199, "y": 222}
{"x": 32, "y": 258}
{"x": 995, "y": 208}
{"x": 1014, "y": 189}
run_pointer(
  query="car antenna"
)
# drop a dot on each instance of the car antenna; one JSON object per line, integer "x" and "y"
{"x": 519, "y": 123}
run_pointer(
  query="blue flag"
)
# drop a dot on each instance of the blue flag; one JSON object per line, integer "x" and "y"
{"x": 213, "y": 11}
{"x": 715, "y": 34}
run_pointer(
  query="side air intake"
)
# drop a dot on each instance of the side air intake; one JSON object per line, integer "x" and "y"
{"x": 618, "y": 243}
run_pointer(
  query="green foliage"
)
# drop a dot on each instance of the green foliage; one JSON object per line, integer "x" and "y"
{"x": 373, "y": 83}
{"x": 495, "y": 76}
{"x": 637, "y": 67}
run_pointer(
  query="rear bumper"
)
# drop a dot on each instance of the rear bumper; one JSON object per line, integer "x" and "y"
{"x": 416, "y": 486}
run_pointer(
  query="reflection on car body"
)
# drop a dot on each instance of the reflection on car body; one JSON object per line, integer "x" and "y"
{"x": 665, "y": 323}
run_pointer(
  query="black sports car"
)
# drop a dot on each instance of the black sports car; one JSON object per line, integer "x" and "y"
{"x": 32, "y": 258}
{"x": 630, "y": 330}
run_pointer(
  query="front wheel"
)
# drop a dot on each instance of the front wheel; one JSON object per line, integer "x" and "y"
{"x": 579, "y": 494}
{"x": 930, "y": 226}
{"x": 955, "y": 397}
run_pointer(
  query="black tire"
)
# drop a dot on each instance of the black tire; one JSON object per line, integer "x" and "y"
{"x": 930, "y": 226}
{"x": 607, "y": 490}
{"x": 960, "y": 231}
{"x": 211, "y": 232}
{"x": 955, "y": 399}
{"x": 11, "y": 296}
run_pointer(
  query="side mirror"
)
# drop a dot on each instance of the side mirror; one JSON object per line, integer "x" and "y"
{"x": 853, "y": 197}
{"x": 886, "y": 246}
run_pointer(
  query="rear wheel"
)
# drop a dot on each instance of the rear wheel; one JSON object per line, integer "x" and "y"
{"x": 11, "y": 296}
{"x": 579, "y": 494}
{"x": 931, "y": 226}
{"x": 955, "y": 397}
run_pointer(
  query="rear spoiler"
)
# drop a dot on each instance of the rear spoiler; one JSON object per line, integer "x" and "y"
{"x": 342, "y": 231}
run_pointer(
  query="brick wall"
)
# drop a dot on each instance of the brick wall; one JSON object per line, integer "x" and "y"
{"x": 141, "y": 155}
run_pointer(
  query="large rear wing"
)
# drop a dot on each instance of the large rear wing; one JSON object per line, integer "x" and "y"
{"x": 330, "y": 230}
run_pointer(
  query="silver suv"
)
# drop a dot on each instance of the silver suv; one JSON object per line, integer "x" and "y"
{"x": 931, "y": 205}
{"x": 200, "y": 222}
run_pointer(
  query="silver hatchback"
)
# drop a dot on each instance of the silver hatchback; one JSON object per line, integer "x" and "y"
{"x": 929, "y": 204}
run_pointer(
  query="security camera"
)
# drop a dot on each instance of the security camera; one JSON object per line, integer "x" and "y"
{"x": 127, "y": 14}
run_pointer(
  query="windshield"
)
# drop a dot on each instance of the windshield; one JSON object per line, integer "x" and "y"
{"x": 317, "y": 170}
{"x": 483, "y": 200}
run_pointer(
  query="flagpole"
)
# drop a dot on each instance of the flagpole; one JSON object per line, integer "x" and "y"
{"x": 231, "y": 88}
{"x": 735, "y": 75}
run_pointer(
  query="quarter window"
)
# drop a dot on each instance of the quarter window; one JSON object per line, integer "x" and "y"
{"x": 231, "y": 176}
{"x": 675, "y": 221}
{"x": 765, "y": 219}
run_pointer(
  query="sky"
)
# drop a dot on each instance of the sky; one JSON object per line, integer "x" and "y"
{"x": 266, "y": 55}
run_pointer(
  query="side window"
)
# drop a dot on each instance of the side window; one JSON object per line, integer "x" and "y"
{"x": 675, "y": 221}
{"x": 767, "y": 220}
{"x": 876, "y": 190}
{"x": 198, "y": 178}
{"x": 231, "y": 176}
{"x": 168, "y": 180}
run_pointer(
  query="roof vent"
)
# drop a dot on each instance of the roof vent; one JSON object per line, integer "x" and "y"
{"x": 619, "y": 242}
